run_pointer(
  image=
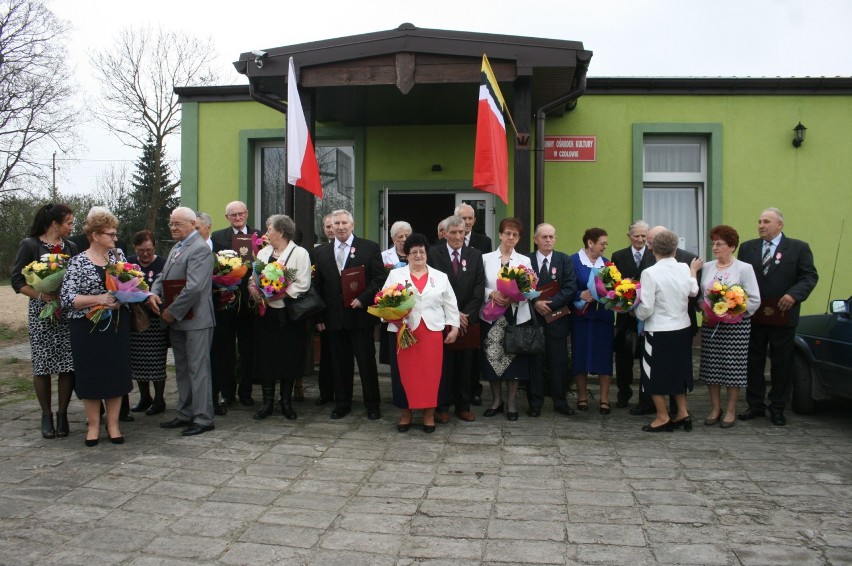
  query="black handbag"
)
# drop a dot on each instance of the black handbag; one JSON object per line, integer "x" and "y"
{"x": 304, "y": 306}
{"x": 526, "y": 339}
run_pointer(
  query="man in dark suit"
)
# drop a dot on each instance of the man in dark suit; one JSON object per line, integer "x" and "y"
{"x": 190, "y": 318}
{"x": 325, "y": 377}
{"x": 786, "y": 275}
{"x": 349, "y": 326}
{"x": 233, "y": 326}
{"x": 630, "y": 261}
{"x": 551, "y": 266}
{"x": 463, "y": 266}
{"x": 471, "y": 238}
{"x": 646, "y": 405}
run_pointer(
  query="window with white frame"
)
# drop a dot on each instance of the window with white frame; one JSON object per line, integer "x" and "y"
{"x": 674, "y": 187}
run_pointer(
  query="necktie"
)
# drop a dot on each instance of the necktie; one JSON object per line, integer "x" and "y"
{"x": 767, "y": 249}
{"x": 455, "y": 262}
{"x": 467, "y": 241}
{"x": 341, "y": 256}
{"x": 637, "y": 257}
{"x": 543, "y": 272}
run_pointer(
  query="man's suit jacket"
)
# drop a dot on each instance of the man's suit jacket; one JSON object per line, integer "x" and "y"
{"x": 626, "y": 264}
{"x": 193, "y": 262}
{"x": 561, "y": 269}
{"x": 481, "y": 242}
{"x": 327, "y": 282}
{"x": 469, "y": 284}
{"x": 222, "y": 238}
{"x": 436, "y": 305}
{"x": 791, "y": 272}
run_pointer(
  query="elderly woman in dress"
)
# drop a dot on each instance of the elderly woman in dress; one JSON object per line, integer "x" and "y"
{"x": 497, "y": 364}
{"x": 392, "y": 258}
{"x": 49, "y": 340}
{"x": 416, "y": 370}
{"x": 667, "y": 358}
{"x": 101, "y": 350}
{"x": 280, "y": 342}
{"x": 724, "y": 347}
{"x": 591, "y": 324}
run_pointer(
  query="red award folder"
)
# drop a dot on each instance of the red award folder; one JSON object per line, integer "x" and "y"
{"x": 548, "y": 291}
{"x": 557, "y": 314}
{"x": 353, "y": 282}
{"x": 171, "y": 289}
{"x": 241, "y": 243}
{"x": 470, "y": 340}
{"x": 769, "y": 314}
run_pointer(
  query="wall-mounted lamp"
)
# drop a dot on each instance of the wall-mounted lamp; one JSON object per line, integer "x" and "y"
{"x": 799, "y": 130}
{"x": 436, "y": 168}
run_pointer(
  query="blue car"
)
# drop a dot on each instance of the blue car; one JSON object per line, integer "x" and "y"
{"x": 822, "y": 366}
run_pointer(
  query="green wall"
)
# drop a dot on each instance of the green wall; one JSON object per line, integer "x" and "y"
{"x": 753, "y": 165}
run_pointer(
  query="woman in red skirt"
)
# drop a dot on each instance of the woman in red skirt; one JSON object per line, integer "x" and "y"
{"x": 416, "y": 370}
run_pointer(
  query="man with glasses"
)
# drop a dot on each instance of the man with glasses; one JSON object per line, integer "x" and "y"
{"x": 233, "y": 325}
{"x": 190, "y": 316}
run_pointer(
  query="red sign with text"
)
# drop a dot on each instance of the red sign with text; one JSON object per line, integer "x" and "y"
{"x": 570, "y": 148}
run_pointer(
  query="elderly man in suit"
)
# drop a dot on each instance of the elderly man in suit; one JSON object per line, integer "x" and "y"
{"x": 471, "y": 238}
{"x": 630, "y": 261}
{"x": 233, "y": 326}
{"x": 191, "y": 319}
{"x": 463, "y": 266}
{"x": 646, "y": 405}
{"x": 551, "y": 266}
{"x": 786, "y": 275}
{"x": 349, "y": 326}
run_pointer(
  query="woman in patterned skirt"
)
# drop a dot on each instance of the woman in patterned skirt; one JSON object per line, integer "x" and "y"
{"x": 724, "y": 347}
{"x": 148, "y": 349}
{"x": 49, "y": 339}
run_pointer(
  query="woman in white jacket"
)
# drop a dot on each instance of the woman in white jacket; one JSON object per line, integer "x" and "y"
{"x": 416, "y": 370}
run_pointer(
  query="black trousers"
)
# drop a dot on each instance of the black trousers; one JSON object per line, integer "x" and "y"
{"x": 779, "y": 341}
{"x": 325, "y": 377}
{"x": 457, "y": 379}
{"x": 555, "y": 359}
{"x": 624, "y": 356}
{"x": 234, "y": 332}
{"x": 349, "y": 346}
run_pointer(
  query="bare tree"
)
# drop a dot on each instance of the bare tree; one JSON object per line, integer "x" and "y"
{"x": 137, "y": 101}
{"x": 36, "y": 92}
{"x": 112, "y": 185}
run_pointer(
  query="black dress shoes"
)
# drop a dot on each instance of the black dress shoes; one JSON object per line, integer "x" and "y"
{"x": 47, "y": 430}
{"x": 751, "y": 414}
{"x": 156, "y": 409}
{"x": 534, "y": 412}
{"x": 220, "y": 410}
{"x": 246, "y": 401}
{"x": 403, "y": 427}
{"x": 339, "y": 413}
{"x": 428, "y": 428}
{"x": 476, "y": 400}
{"x": 564, "y": 410}
{"x": 322, "y": 401}
{"x": 512, "y": 416}
{"x": 197, "y": 429}
{"x": 142, "y": 406}
{"x": 227, "y": 401}
{"x": 91, "y": 443}
{"x": 638, "y": 410}
{"x": 116, "y": 439}
{"x": 621, "y": 403}
{"x": 776, "y": 416}
{"x": 685, "y": 423}
{"x": 489, "y": 412}
{"x": 374, "y": 415}
{"x": 61, "y": 425}
{"x": 126, "y": 418}
{"x": 175, "y": 423}
{"x": 665, "y": 427}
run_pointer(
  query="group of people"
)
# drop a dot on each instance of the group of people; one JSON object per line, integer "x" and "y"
{"x": 220, "y": 353}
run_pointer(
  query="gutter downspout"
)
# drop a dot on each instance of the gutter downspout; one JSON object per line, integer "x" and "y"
{"x": 266, "y": 100}
{"x": 540, "y": 114}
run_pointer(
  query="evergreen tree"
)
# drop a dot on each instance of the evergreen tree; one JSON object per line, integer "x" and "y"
{"x": 135, "y": 212}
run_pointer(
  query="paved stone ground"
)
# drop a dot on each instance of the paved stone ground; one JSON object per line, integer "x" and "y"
{"x": 553, "y": 490}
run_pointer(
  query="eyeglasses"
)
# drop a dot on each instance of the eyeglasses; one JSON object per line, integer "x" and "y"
{"x": 417, "y": 252}
{"x": 110, "y": 234}
{"x": 176, "y": 224}
{"x": 237, "y": 214}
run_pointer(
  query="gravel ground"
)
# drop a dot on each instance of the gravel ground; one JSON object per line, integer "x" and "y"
{"x": 13, "y": 307}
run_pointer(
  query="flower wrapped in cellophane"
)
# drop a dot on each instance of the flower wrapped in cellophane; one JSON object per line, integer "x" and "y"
{"x": 45, "y": 276}
{"x": 518, "y": 283}
{"x": 228, "y": 271}
{"x": 724, "y": 303}
{"x": 617, "y": 294}
{"x": 391, "y": 266}
{"x": 272, "y": 280}
{"x": 126, "y": 282}
{"x": 393, "y": 304}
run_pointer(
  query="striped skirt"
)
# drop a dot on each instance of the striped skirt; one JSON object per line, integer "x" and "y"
{"x": 667, "y": 362}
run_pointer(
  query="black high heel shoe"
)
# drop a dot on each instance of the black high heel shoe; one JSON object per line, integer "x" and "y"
{"x": 47, "y": 430}
{"x": 156, "y": 408}
{"x": 114, "y": 440}
{"x": 428, "y": 428}
{"x": 142, "y": 406}
{"x": 665, "y": 427}
{"x": 685, "y": 422}
{"x": 62, "y": 428}
{"x": 489, "y": 412}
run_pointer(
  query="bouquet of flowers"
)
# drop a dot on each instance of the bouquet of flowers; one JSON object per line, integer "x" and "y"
{"x": 272, "y": 280}
{"x": 126, "y": 282}
{"x": 724, "y": 303}
{"x": 393, "y": 304}
{"x": 614, "y": 292}
{"x": 258, "y": 243}
{"x": 518, "y": 283}
{"x": 45, "y": 276}
{"x": 228, "y": 271}
{"x": 391, "y": 266}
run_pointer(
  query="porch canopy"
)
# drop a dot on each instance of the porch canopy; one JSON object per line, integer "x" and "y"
{"x": 413, "y": 76}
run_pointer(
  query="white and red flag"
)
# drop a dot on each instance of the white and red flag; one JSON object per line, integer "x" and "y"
{"x": 491, "y": 157}
{"x": 302, "y": 167}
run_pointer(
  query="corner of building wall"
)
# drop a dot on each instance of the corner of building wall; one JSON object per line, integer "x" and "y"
{"x": 189, "y": 155}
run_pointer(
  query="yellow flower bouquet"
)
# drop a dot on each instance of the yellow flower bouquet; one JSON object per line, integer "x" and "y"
{"x": 45, "y": 276}
{"x": 724, "y": 303}
{"x": 393, "y": 304}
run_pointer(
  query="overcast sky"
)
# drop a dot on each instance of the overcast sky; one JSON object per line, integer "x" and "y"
{"x": 721, "y": 38}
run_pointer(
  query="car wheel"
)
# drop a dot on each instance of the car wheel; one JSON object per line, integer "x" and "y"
{"x": 803, "y": 401}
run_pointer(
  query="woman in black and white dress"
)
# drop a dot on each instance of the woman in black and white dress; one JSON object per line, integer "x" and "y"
{"x": 724, "y": 347}
{"x": 149, "y": 348}
{"x": 49, "y": 339}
